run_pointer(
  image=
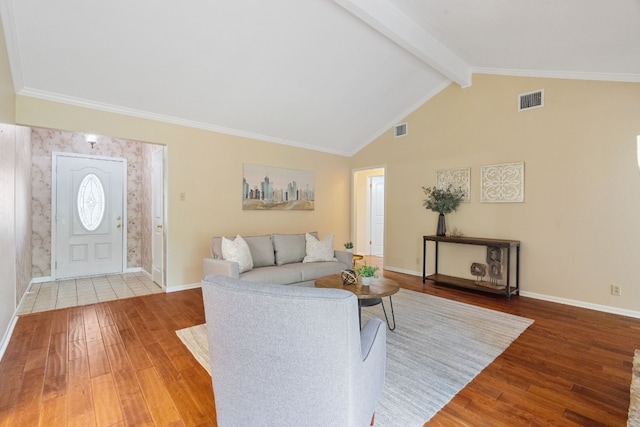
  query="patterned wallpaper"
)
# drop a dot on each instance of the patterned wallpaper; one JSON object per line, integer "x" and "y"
{"x": 145, "y": 220}
{"x": 43, "y": 143}
{"x": 23, "y": 211}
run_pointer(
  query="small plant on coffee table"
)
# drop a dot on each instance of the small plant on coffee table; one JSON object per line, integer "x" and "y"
{"x": 366, "y": 270}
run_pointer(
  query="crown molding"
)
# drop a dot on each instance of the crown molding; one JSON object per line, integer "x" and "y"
{"x": 78, "y": 102}
{"x": 571, "y": 75}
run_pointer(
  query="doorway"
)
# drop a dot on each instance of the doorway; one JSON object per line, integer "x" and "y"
{"x": 376, "y": 215}
{"x": 368, "y": 211}
{"x": 157, "y": 215}
{"x": 89, "y": 224}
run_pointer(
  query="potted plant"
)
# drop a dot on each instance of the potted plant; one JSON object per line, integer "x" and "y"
{"x": 443, "y": 201}
{"x": 366, "y": 271}
{"x": 349, "y": 246}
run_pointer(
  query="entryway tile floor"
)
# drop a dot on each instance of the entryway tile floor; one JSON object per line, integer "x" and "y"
{"x": 85, "y": 290}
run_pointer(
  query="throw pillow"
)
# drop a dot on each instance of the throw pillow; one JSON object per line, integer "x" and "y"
{"x": 319, "y": 250}
{"x": 289, "y": 248}
{"x": 261, "y": 248}
{"x": 238, "y": 251}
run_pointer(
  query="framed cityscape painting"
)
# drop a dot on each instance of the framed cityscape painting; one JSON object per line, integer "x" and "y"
{"x": 273, "y": 188}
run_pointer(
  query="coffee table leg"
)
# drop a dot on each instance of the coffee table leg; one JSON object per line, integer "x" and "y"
{"x": 360, "y": 314}
{"x": 393, "y": 315}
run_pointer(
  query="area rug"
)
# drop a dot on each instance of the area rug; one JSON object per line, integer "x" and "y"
{"x": 438, "y": 347}
{"x": 634, "y": 398}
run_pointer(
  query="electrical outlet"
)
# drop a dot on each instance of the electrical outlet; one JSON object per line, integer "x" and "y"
{"x": 616, "y": 290}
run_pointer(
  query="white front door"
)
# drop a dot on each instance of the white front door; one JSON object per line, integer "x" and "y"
{"x": 376, "y": 218}
{"x": 88, "y": 215}
{"x": 157, "y": 220}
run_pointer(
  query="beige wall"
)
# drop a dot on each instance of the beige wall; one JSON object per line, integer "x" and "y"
{"x": 579, "y": 223}
{"x": 207, "y": 167}
{"x": 7, "y": 94}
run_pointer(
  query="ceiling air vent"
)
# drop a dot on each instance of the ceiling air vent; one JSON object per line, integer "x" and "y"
{"x": 400, "y": 130}
{"x": 530, "y": 100}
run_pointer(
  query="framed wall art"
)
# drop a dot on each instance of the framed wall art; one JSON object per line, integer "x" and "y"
{"x": 459, "y": 178}
{"x": 274, "y": 188}
{"x": 503, "y": 183}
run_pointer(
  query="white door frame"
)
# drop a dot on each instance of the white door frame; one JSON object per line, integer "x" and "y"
{"x": 154, "y": 235}
{"x": 54, "y": 206}
{"x": 359, "y": 207}
{"x": 371, "y": 223}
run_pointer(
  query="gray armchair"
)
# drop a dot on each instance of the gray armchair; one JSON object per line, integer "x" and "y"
{"x": 291, "y": 356}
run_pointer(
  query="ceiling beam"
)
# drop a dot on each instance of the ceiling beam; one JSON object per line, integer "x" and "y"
{"x": 391, "y": 22}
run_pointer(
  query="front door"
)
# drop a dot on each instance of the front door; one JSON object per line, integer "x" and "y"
{"x": 88, "y": 208}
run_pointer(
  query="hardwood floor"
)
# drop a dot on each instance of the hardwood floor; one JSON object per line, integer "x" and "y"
{"x": 120, "y": 363}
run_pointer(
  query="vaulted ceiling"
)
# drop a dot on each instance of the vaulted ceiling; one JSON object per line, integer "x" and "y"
{"x": 320, "y": 74}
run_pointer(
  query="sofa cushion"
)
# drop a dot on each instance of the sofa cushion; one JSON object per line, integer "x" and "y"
{"x": 290, "y": 248}
{"x": 261, "y": 248}
{"x": 238, "y": 251}
{"x": 315, "y": 270}
{"x": 318, "y": 250}
{"x": 273, "y": 274}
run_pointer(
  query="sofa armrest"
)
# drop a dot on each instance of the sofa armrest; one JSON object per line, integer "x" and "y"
{"x": 344, "y": 257}
{"x": 221, "y": 267}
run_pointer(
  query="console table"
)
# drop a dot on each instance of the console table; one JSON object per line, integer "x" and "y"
{"x": 467, "y": 283}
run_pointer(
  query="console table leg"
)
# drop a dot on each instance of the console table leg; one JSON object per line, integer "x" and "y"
{"x": 424, "y": 259}
{"x": 508, "y": 274}
{"x": 518, "y": 270}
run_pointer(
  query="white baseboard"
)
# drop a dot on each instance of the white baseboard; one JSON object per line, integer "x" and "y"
{"x": 7, "y": 336}
{"x": 138, "y": 270}
{"x": 127, "y": 271}
{"x": 565, "y": 301}
{"x": 182, "y": 287}
{"x": 582, "y": 304}
{"x": 403, "y": 271}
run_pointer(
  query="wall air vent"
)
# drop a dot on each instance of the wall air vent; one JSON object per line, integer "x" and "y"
{"x": 400, "y": 130}
{"x": 530, "y": 100}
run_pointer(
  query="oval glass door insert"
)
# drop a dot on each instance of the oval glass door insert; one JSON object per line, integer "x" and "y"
{"x": 91, "y": 202}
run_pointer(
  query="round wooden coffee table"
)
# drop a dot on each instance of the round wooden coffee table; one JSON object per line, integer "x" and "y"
{"x": 367, "y": 295}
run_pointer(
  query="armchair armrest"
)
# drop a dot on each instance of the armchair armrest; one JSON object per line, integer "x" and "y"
{"x": 373, "y": 344}
{"x": 220, "y": 267}
{"x": 373, "y": 333}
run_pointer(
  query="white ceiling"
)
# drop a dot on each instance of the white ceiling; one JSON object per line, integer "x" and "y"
{"x": 320, "y": 74}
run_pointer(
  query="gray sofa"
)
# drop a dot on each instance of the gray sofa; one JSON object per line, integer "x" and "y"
{"x": 277, "y": 259}
{"x": 291, "y": 356}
